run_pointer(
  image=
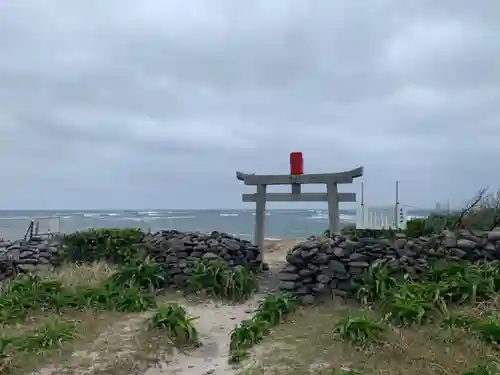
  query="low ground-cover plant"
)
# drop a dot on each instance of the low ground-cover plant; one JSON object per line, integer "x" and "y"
{"x": 488, "y": 329}
{"x": 274, "y": 308}
{"x": 490, "y": 369}
{"x": 376, "y": 284}
{"x": 173, "y": 319}
{"x": 359, "y": 328}
{"x": 411, "y": 301}
{"x": 144, "y": 273}
{"x": 219, "y": 280}
{"x": 29, "y": 294}
{"x": 52, "y": 334}
{"x": 271, "y": 311}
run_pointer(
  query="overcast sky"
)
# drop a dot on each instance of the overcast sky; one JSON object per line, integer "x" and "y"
{"x": 156, "y": 104}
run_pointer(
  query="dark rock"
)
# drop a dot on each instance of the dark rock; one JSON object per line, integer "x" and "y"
{"x": 289, "y": 276}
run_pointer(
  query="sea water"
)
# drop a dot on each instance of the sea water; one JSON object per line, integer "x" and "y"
{"x": 279, "y": 224}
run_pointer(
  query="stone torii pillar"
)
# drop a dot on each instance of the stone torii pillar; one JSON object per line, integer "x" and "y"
{"x": 296, "y": 178}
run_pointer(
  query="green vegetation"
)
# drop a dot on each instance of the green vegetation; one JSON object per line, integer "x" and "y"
{"x": 271, "y": 311}
{"x": 52, "y": 334}
{"x": 219, "y": 280}
{"x": 115, "y": 245}
{"x": 418, "y": 301}
{"x": 359, "y": 328}
{"x": 493, "y": 369}
{"x": 144, "y": 273}
{"x": 173, "y": 319}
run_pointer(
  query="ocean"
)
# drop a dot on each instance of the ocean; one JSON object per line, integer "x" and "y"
{"x": 279, "y": 224}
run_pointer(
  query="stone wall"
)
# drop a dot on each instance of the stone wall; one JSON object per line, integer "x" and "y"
{"x": 177, "y": 251}
{"x": 174, "y": 250}
{"x": 322, "y": 265}
{"x": 26, "y": 255}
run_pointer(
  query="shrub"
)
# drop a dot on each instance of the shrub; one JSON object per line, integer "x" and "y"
{"x": 359, "y": 328}
{"x": 118, "y": 245}
{"x": 219, "y": 280}
{"x": 173, "y": 319}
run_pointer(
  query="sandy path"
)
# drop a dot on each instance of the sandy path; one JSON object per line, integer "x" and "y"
{"x": 214, "y": 325}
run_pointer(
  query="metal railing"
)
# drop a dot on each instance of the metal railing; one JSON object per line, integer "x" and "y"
{"x": 28, "y": 227}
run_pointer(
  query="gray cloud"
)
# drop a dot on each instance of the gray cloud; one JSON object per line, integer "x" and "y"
{"x": 148, "y": 104}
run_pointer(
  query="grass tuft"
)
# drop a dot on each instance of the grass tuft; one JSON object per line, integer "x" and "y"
{"x": 173, "y": 319}
{"x": 219, "y": 280}
{"x": 359, "y": 328}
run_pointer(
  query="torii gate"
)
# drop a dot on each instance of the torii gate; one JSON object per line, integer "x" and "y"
{"x": 296, "y": 178}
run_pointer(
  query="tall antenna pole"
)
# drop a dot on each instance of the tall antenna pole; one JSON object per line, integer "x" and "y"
{"x": 362, "y": 193}
{"x": 362, "y": 205}
{"x": 396, "y": 207}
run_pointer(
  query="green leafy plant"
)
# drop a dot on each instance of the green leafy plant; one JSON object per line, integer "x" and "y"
{"x": 52, "y": 334}
{"x": 143, "y": 273}
{"x": 173, "y": 319}
{"x": 248, "y": 333}
{"x": 376, "y": 283}
{"x": 274, "y": 308}
{"x": 271, "y": 311}
{"x": 131, "y": 299}
{"x": 488, "y": 329}
{"x": 410, "y": 303}
{"x": 28, "y": 293}
{"x": 359, "y": 328}
{"x": 219, "y": 280}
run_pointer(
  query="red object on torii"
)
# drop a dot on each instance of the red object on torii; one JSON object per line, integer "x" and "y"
{"x": 296, "y": 163}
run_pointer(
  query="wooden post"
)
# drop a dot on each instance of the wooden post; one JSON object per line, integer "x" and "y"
{"x": 260, "y": 215}
{"x": 333, "y": 208}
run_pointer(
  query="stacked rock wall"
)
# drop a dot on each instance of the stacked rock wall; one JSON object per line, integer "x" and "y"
{"x": 322, "y": 265}
{"x": 175, "y": 251}
{"x": 26, "y": 255}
